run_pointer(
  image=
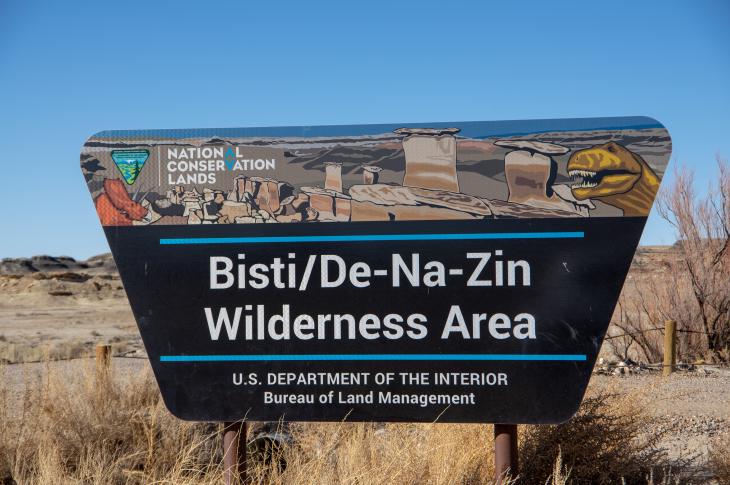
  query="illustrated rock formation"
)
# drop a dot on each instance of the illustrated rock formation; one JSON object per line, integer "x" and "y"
{"x": 232, "y": 209}
{"x": 176, "y": 194}
{"x": 151, "y": 217}
{"x": 296, "y": 209}
{"x": 333, "y": 176}
{"x": 530, "y": 172}
{"x": 264, "y": 193}
{"x": 370, "y": 174}
{"x": 329, "y": 204}
{"x": 251, "y": 200}
{"x": 430, "y": 189}
{"x": 430, "y": 158}
{"x": 381, "y": 202}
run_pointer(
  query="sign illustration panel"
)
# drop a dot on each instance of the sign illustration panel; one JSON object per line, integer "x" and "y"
{"x": 464, "y": 272}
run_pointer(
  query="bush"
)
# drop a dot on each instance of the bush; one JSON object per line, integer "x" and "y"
{"x": 606, "y": 442}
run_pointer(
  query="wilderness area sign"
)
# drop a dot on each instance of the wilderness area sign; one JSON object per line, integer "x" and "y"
{"x": 460, "y": 272}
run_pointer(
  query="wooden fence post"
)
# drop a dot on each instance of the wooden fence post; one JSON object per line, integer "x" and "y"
{"x": 670, "y": 347}
{"x": 103, "y": 368}
{"x": 103, "y": 357}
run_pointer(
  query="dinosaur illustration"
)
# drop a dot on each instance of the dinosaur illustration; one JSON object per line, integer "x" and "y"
{"x": 614, "y": 175}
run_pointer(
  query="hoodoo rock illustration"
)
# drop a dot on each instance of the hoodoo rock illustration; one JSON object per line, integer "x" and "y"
{"x": 430, "y": 158}
{"x": 333, "y": 177}
{"x": 529, "y": 170}
{"x": 370, "y": 174}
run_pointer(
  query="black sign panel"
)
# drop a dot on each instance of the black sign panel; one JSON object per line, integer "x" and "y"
{"x": 444, "y": 271}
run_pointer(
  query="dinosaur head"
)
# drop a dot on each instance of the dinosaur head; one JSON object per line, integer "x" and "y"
{"x": 603, "y": 170}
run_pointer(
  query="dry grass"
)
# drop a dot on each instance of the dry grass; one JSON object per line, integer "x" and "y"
{"x": 359, "y": 453}
{"x": 85, "y": 428}
{"x": 17, "y": 352}
{"x": 720, "y": 459}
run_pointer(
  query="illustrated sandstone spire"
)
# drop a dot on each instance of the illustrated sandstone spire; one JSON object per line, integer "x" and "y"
{"x": 430, "y": 158}
{"x": 330, "y": 202}
{"x": 530, "y": 172}
{"x": 333, "y": 176}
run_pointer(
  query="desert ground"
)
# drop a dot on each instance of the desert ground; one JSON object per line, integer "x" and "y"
{"x": 55, "y": 310}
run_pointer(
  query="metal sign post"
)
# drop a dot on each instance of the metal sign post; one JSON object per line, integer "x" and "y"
{"x": 234, "y": 452}
{"x": 505, "y": 452}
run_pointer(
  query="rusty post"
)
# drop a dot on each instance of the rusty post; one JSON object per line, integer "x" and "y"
{"x": 670, "y": 347}
{"x": 103, "y": 358}
{"x": 234, "y": 452}
{"x": 505, "y": 452}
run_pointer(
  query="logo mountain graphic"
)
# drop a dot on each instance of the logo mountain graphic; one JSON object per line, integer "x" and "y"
{"x": 230, "y": 158}
{"x": 130, "y": 163}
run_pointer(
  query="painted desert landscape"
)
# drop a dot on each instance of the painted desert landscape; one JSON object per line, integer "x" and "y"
{"x": 410, "y": 173}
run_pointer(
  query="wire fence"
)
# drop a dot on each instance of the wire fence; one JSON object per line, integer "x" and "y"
{"x": 628, "y": 334}
{"x": 674, "y": 365}
{"x": 123, "y": 355}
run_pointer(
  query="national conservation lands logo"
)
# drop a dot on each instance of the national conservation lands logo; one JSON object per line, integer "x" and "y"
{"x": 130, "y": 163}
{"x": 203, "y": 165}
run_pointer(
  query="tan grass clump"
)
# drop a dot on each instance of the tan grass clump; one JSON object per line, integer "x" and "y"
{"x": 84, "y": 427}
{"x": 360, "y": 453}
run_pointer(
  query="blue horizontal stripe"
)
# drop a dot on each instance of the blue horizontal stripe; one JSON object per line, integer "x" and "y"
{"x": 374, "y": 357}
{"x": 374, "y": 237}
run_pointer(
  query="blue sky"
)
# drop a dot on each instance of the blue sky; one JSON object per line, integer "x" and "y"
{"x": 70, "y": 69}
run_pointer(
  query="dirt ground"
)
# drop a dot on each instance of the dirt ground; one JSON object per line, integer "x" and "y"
{"x": 62, "y": 314}
{"x": 692, "y": 409}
